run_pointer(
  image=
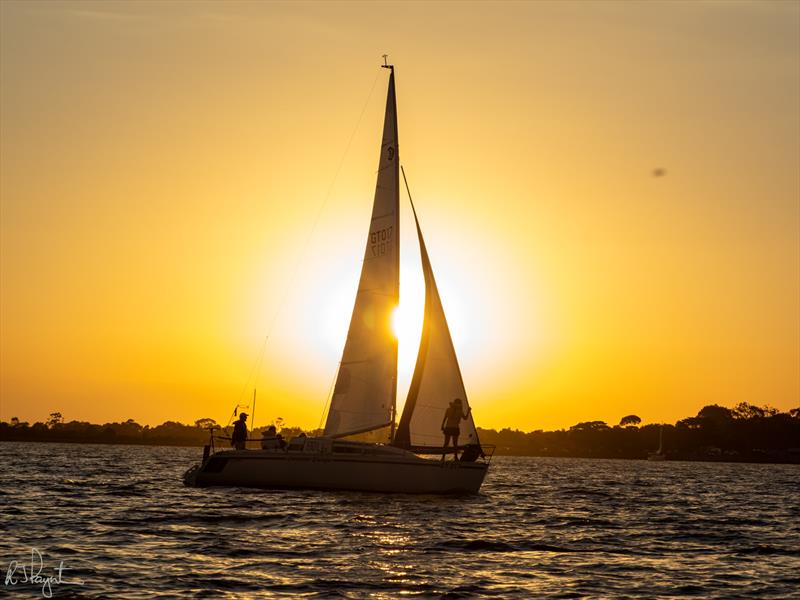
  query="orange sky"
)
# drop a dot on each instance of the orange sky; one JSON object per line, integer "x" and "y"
{"x": 170, "y": 192}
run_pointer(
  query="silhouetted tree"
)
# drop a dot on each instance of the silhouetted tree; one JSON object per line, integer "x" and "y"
{"x": 129, "y": 430}
{"x": 205, "y": 423}
{"x": 55, "y": 419}
{"x": 716, "y": 413}
{"x": 743, "y": 410}
{"x": 590, "y": 426}
{"x": 629, "y": 420}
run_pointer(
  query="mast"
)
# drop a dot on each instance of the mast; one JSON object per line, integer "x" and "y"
{"x": 386, "y": 65}
{"x": 253, "y": 420}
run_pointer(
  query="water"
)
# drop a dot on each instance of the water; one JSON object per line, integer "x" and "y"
{"x": 123, "y": 523}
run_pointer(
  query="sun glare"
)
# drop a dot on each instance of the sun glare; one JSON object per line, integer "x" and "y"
{"x": 399, "y": 319}
{"x": 407, "y": 322}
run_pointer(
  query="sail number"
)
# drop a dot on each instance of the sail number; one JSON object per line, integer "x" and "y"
{"x": 380, "y": 240}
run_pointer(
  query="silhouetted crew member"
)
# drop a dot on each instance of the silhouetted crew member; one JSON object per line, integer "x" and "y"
{"x": 239, "y": 436}
{"x": 269, "y": 439}
{"x": 450, "y": 425}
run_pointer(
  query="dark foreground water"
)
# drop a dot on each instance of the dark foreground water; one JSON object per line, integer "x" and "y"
{"x": 123, "y": 524}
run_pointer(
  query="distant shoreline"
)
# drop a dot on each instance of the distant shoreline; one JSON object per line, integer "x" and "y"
{"x": 743, "y": 434}
{"x": 102, "y": 443}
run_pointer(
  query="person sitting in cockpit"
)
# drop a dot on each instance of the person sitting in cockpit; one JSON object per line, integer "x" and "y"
{"x": 269, "y": 439}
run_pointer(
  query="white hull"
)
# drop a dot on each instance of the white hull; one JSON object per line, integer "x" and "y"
{"x": 392, "y": 471}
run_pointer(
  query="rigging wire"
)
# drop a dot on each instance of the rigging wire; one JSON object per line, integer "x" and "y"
{"x": 329, "y": 396}
{"x": 256, "y": 369}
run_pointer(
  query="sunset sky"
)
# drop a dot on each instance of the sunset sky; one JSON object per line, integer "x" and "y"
{"x": 178, "y": 180}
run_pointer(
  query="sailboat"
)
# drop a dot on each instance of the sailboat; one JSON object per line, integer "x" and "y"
{"x": 410, "y": 459}
{"x": 659, "y": 454}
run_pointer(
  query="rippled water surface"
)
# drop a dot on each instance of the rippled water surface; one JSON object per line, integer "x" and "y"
{"x": 123, "y": 524}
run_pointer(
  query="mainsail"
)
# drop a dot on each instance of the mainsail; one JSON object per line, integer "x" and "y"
{"x": 366, "y": 385}
{"x": 437, "y": 377}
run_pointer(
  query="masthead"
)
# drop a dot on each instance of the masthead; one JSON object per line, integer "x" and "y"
{"x": 386, "y": 64}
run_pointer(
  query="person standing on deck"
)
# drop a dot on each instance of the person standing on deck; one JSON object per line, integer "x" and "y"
{"x": 450, "y": 425}
{"x": 239, "y": 436}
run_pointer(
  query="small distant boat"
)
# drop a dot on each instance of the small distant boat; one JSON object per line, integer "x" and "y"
{"x": 364, "y": 396}
{"x": 659, "y": 454}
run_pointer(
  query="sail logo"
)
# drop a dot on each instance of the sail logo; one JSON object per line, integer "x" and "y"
{"x": 380, "y": 240}
{"x": 390, "y": 153}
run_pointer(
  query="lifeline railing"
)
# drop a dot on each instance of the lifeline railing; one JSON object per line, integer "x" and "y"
{"x": 487, "y": 450}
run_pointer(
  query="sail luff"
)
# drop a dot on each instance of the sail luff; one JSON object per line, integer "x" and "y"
{"x": 403, "y": 436}
{"x": 365, "y": 390}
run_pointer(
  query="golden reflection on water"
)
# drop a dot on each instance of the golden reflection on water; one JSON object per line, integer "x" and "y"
{"x": 540, "y": 527}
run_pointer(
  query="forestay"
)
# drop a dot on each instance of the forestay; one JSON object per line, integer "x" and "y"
{"x": 364, "y": 394}
{"x": 437, "y": 377}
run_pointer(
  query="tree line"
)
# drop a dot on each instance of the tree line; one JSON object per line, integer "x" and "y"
{"x": 170, "y": 433}
{"x": 745, "y": 432}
